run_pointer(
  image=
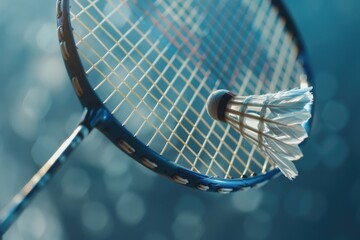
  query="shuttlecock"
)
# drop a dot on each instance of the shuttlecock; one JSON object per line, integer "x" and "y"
{"x": 273, "y": 122}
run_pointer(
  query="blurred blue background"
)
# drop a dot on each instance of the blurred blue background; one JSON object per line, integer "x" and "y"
{"x": 101, "y": 194}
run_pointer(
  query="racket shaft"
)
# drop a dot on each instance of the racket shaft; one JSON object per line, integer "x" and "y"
{"x": 9, "y": 214}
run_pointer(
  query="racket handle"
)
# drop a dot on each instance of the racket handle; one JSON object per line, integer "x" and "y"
{"x": 9, "y": 214}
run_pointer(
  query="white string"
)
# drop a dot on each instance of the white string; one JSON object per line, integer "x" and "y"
{"x": 172, "y": 131}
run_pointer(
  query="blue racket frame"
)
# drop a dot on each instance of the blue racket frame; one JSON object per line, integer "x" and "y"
{"x": 98, "y": 116}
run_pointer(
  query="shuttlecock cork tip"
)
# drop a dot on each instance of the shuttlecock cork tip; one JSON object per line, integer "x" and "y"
{"x": 217, "y": 102}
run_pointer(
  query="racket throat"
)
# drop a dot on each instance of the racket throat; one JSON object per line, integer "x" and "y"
{"x": 92, "y": 118}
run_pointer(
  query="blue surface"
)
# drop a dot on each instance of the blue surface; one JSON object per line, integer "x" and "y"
{"x": 102, "y": 194}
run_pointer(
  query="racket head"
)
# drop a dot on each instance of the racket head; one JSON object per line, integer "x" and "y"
{"x": 81, "y": 72}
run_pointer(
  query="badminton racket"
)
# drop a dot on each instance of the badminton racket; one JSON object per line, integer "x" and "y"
{"x": 143, "y": 71}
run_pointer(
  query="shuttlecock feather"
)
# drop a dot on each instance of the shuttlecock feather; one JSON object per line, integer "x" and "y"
{"x": 274, "y": 122}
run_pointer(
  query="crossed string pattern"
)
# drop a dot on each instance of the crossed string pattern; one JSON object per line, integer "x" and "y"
{"x": 154, "y": 63}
